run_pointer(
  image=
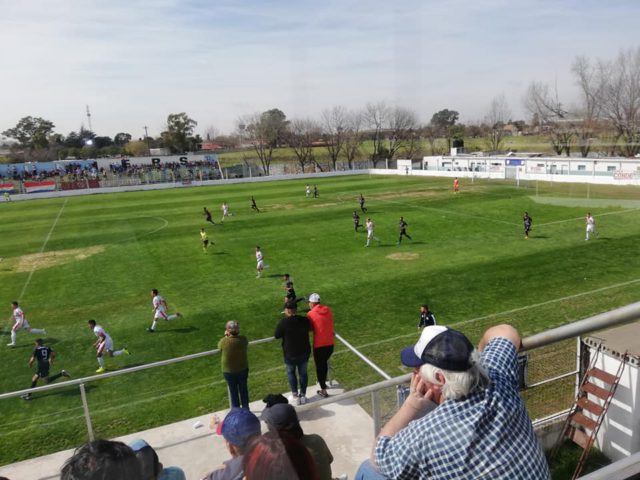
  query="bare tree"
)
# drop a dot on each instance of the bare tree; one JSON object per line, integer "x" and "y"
{"x": 591, "y": 89}
{"x": 334, "y": 124}
{"x": 302, "y": 133}
{"x": 403, "y": 131}
{"x": 376, "y": 116}
{"x": 431, "y": 134}
{"x": 620, "y": 80}
{"x": 353, "y": 137}
{"x": 552, "y": 115}
{"x": 496, "y": 118}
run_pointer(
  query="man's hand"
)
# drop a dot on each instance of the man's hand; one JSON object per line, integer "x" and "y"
{"x": 421, "y": 395}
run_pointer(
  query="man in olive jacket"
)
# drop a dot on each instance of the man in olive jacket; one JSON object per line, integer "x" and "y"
{"x": 235, "y": 365}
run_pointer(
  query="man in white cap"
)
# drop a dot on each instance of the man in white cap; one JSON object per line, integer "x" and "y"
{"x": 321, "y": 319}
{"x": 464, "y": 417}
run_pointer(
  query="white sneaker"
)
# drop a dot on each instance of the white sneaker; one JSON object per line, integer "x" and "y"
{"x": 11, "y": 344}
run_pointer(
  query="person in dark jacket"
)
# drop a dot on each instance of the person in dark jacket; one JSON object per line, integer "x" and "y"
{"x": 294, "y": 332}
{"x": 235, "y": 365}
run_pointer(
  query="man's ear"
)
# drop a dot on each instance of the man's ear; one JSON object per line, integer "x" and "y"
{"x": 440, "y": 378}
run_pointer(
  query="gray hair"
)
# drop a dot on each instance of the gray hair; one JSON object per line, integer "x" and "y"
{"x": 458, "y": 384}
{"x": 233, "y": 326}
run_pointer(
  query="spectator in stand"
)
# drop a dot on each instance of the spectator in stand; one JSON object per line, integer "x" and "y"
{"x": 464, "y": 417}
{"x": 282, "y": 418}
{"x": 238, "y": 428}
{"x": 321, "y": 319}
{"x": 294, "y": 332}
{"x": 278, "y": 457}
{"x": 235, "y": 364}
{"x": 152, "y": 469}
{"x": 102, "y": 459}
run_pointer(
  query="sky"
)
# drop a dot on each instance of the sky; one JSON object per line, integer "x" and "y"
{"x": 134, "y": 62}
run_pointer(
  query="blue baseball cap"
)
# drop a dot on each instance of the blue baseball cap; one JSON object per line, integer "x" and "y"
{"x": 440, "y": 346}
{"x": 239, "y": 426}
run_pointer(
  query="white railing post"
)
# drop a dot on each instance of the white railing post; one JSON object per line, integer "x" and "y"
{"x": 375, "y": 413}
{"x": 87, "y": 417}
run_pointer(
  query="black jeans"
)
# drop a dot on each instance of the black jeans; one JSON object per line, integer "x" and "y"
{"x": 321, "y": 357}
{"x": 237, "y": 383}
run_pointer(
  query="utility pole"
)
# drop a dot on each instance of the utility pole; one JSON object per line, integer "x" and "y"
{"x": 146, "y": 135}
{"x": 89, "y": 119}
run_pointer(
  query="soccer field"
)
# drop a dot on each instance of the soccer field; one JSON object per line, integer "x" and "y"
{"x": 71, "y": 259}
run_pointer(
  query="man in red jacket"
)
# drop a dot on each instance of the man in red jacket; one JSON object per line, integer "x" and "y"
{"x": 321, "y": 320}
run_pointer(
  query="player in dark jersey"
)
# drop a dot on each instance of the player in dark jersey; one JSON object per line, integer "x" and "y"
{"x": 402, "y": 225}
{"x": 356, "y": 220}
{"x": 290, "y": 293}
{"x": 44, "y": 356}
{"x": 427, "y": 318}
{"x": 207, "y": 215}
{"x": 527, "y": 221}
{"x": 315, "y": 191}
{"x": 361, "y": 200}
{"x": 253, "y": 204}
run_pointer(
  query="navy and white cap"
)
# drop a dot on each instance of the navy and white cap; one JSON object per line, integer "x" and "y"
{"x": 440, "y": 346}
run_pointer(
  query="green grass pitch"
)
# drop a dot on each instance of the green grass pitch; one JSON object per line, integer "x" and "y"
{"x": 102, "y": 254}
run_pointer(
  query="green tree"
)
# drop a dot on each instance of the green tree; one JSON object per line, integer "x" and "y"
{"x": 121, "y": 139}
{"x": 443, "y": 122}
{"x": 179, "y": 132}
{"x": 32, "y": 133}
{"x": 267, "y": 131}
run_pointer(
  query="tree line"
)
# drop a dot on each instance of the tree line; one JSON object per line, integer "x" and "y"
{"x": 608, "y": 110}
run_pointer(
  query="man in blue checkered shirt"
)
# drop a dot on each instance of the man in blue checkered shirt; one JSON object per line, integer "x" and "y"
{"x": 463, "y": 418}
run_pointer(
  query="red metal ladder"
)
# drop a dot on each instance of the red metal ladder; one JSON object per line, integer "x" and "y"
{"x": 583, "y": 429}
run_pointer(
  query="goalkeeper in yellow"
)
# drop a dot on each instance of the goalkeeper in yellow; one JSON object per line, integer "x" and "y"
{"x": 204, "y": 238}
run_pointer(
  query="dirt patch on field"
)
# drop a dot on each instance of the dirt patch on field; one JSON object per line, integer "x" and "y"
{"x": 38, "y": 261}
{"x": 409, "y": 194}
{"x": 284, "y": 206}
{"x": 322, "y": 205}
{"x": 404, "y": 256}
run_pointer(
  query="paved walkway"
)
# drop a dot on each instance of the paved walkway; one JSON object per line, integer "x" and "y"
{"x": 193, "y": 446}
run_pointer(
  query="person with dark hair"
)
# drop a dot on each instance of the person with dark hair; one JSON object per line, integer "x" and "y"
{"x": 282, "y": 418}
{"x": 159, "y": 309}
{"x": 361, "y": 201}
{"x": 204, "y": 239}
{"x": 259, "y": 262}
{"x": 315, "y": 191}
{"x": 294, "y": 332}
{"x": 235, "y": 363}
{"x": 238, "y": 428}
{"x": 275, "y": 456}
{"x": 20, "y": 323}
{"x": 527, "y": 221}
{"x": 102, "y": 459}
{"x": 44, "y": 356}
{"x": 253, "y": 204}
{"x": 356, "y": 220}
{"x": 104, "y": 343}
{"x": 427, "y": 317}
{"x": 207, "y": 216}
{"x": 150, "y": 464}
{"x": 402, "y": 226}
{"x": 290, "y": 293}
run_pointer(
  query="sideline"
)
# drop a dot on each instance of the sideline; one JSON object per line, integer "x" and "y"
{"x": 44, "y": 245}
{"x": 506, "y": 312}
{"x": 619, "y": 212}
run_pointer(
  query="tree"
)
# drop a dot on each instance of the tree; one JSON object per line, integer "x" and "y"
{"x": 302, "y": 133}
{"x": 353, "y": 137}
{"x": 179, "y": 131}
{"x": 266, "y": 131}
{"x": 121, "y": 139}
{"x": 102, "y": 142}
{"x": 496, "y": 118}
{"x": 620, "y": 102}
{"x": 334, "y": 124}
{"x": 591, "y": 89}
{"x": 442, "y": 121}
{"x": 403, "y": 132}
{"x": 552, "y": 115}
{"x": 376, "y": 118}
{"x": 32, "y": 133}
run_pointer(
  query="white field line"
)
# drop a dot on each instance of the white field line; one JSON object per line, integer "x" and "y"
{"x": 164, "y": 225}
{"x": 44, "y": 245}
{"x": 506, "y": 312}
{"x": 619, "y": 212}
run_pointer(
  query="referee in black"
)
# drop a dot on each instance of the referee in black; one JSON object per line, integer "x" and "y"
{"x": 44, "y": 356}
{"x": 427, "y": 318}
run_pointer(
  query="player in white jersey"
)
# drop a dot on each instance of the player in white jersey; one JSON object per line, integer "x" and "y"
{"x": 21, "y": 323}
{"x": 591, "y": 226}
{"x": 307, "y": 190}
{"x": 160, "y": 310}
{"x": 370, "y": 236}
{"x": 103, "y": 344}
{"x": 225, "y": 211}
{"x": 259, "y": 262}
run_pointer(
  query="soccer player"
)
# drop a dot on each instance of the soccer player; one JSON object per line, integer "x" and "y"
{"x": 104, "y": 343}
{"x": 253, "y": 204}
{"x": 307, "y": 190}
{"x": 361, "y": 200}
{"x": 260, "y": 262}
{"x": 403, "y": 230}
{"x": 7, "y": 197}
{"x": 44, "y": 356}
{"x": 205, "y": 240}
{"x": 427, "y": 318}
{"x": 356, "y": 220}
{"x": 370, "y": 227}
{"x": 225, "y": 211}
{"x": 591, "y": 226}
{"x": 456, "y": 185}
{"x": 290, "y": 295}
{"x": 207, "y": 215}
{"x": 315, "y": 191}
{"x": 527, "y": 221}
{"x": 160, "y": 310}
{"x": 21, "y": 323}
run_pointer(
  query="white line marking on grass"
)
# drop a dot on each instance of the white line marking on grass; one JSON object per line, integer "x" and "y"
{"x": 44, "y": 245}
{"x": 619, "y": 212}
{"x": 165, "y": 224}
{"x": 506, "y": 312}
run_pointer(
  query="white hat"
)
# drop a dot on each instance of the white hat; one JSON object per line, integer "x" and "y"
{"x": 314, "y": 298}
